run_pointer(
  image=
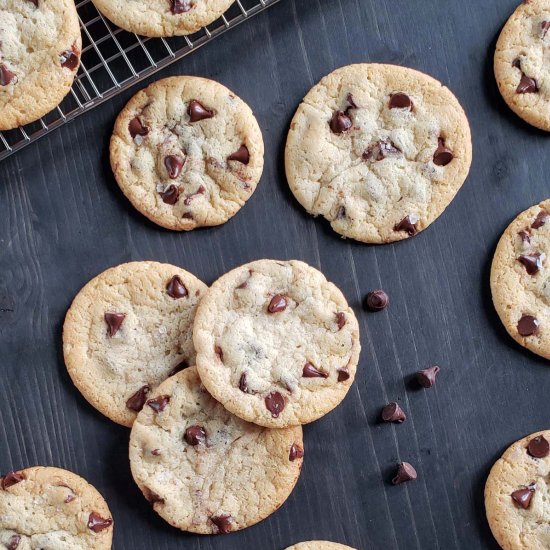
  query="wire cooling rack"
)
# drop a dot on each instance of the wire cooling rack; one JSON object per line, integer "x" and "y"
{"x": 112, "y": 60}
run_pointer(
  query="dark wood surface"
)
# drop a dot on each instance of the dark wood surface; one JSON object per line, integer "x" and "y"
{"x": 63, "y": 220}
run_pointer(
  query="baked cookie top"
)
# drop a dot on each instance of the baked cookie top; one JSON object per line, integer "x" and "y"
{"x": 378, "y": 150}
{"x": 162, "y": 17}
{"x": 205, "y": 470}
{"x": 187, "y": 152}
{"x": 522, "y": 63}
{"x": 319, "y": 545}
{"x": 45, "y": 507}
{"x": 277, "y": 344}
{"x": 516, "y": 495}
{"x": 520, "y": 281}
{"x": 126, "y": 331}
{"x": 39, "y": 55}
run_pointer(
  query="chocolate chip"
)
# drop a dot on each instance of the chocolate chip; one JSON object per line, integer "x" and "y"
{"x": 137, "y": 400}
{"x": 275, "y": 403}
{"x": 170, "y": 195}
{"x": 392, "y": 412}
{"x": 219, "y": 352}
{"x": 13, "y": 543}
{"x": 340, "y": 319}
{"x": 426, "y": 378}
{"x": 35, "y": 2}
{"x": 243, "y": 383}
{"x": 152, "y": 496}
{"x": 400, "y": 100}
{"x": 187, "y": 215}
{"x": 136, "y": 128}
{"x": 197, "y": 111}
{"x": 528, "y": 325}
{"x": 340, "y": 122}
{"x": 544, "y": 26}
{"x": 343, "y": 374}
{"x": 156, "y": 452}
{"x": 6, "y": 76}
{"x": 532, "y": 262}
{"x": 522, "y": 497}
{"x": 525, "y": 237}
{"x": 180, "y": 6}
{"x": 69, "y": 59}
{"x": 277, "y": 304}
{"x": 69, "y": 499}
{"x": 516, "y": 63}
{"x": 380, "y": 150}
{"x": 351, "y": 102}
{"x": 442, "y": 155}
{"x": 527, "y": 85}
{"x": 540, "y": 220}
{"x": 241, "y": 155}
{"x": 341, "y": 213}
{"x": 96, "y": 523}
{"x": 538, "y": 447}
{"x": 223, "y": 523}
{"x": 11, "y": 478}
{"x": 175, "y": 288}
{"x": 173, "y": 165}
{"x": 408, "y": 224}
{"x": 295, "y": 452}
{"x": 114, "y": 322}
{"x": 189, "y": 199}
{"x": 194, "y": 435}
{"x": 159, "y": 403}
{"x": 377, "y": 300}
{"x": 405, "y": 472}
{"x": 178, "y": 368}
{"x": 310, "y": 371}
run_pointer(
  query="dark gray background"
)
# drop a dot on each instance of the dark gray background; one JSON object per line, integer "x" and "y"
{"x": 63, "y": 220}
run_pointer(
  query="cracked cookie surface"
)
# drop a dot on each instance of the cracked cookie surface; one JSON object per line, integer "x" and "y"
{"x": 319, "y": 545}
{"x": 522, "y": 63}
{"x": 205, "y": 470}
{"x": 187, "y": 152}
{"x": 276, "y": 343}
{"x": 378, "y": 150}
{"x": 127, "y": 330}
{"x": 520, "y": 279}
{"x": 51, "y": 508}
{"x": 40, "y": 48}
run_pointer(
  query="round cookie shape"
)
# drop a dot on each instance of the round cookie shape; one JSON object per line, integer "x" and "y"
{"x": 162, "y": 17}
{"x": 516, "y": 493}
{"x": 40, "y": 47}
{"x": 521, "y": 68}
{"x": 205, "y": 470}
{"x": 187, "y": 152}
{"x": 378, "y": 150}
{"x": 277, "y": 344}
{"x": 520, "y": 279}
{"x": 126, "y": 331}
{"x": 46, "y": 507}
{"x": 319, "y": 545}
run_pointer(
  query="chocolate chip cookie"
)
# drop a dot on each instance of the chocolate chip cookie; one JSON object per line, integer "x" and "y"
{"x": 319, "y": 545}
{"x": 187, "y": 152}
{"x": 203, "y": 469}
{"x": 378, "y": 150}
{"x": 520, "y": 279}
{"x": 39, "y": 55}
{"x": 162, "y": 17}
{"x": 126, "y": 331}
{"x": 522, "y": 69}
{"x": 45, "y": 507}
{"x": 277, "y": 344}
{"x": 516, "y": 495}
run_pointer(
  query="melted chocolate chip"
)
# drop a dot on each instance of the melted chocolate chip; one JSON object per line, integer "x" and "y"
{"x": 173, "y": 165}
{"x": 136, "y": 128}
{"x": 13, "y": 543}
{"x": 351, "y": 102}
{"x": 522, "y": 497}
{"x": 442, "y": 155}
{"x": 426, "y": 378}
{"x": 35, "y": 2}
{"x": 187, "y": 215}
{"x": 340, "y": 122}
{"x": 377, "y": 300}
{"x": 6, "y": 76}
{"x": 343, "y": 374}
{"x": 408, "y": 224}
{"x": 11, "y": 478}
{"x": 69, "y": 59}
{"x": 275, "y": 403}
{"x": 219, "y": 352}
{"x": 243, "y": 383}
{"x": 527, "y": 85}
{"x": 295, "y": 452}
{"x": 528, "y": 325}
{"x": 341, "y": 213}
{"x": 159, "y": 403}
{"x": 532, "y": 262}
{"x": 525, "y": 237}
{"x": 540, "y": 220}
{"x": 400, "y": 100}
{"x": 380, "y": 150}
{"x": 170, "y": 195}
{"x": 180, "y": 6}
{"x": 223, "y": 523}
{"x": 516, "y": 63}
{"x": 189, "y": 199}
{"x": 137, "y": 400}
{"x": 156, "y": 452}
{"x": 241, "y": 155}
{"x": 114, "y": 322}
{"x": 96, "y": 523}
{"x": 310, "y": 371}
{"x": 392, "y": 412}
{"x": 152, "y": 496}
{"x": 69, "y": 499}
{"x": 277, "y": 304}
{"x": 178, "y": 368}
{"x": 340, "y": 319}
{"x": 175, "y": 288}
{"x": 195, "y": 435}
{"x": 405, "y": 472}
{"x": 538, "y": 447}
{"x": 197, "y": 111}
{"x": 544, "y": 26}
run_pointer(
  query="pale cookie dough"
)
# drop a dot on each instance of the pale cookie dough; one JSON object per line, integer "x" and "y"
{"x": 203, "y": 469}
{"x": 126, "y": 331}
{"x": 522, "y": 62}
{"x": 520, "y": 279}
{"x": 319, "y": 545}
{"x": 162, "y": 17}
{"x": 46, "y": 508}
{"x": 517, "y": 495}
{"x": 378, "y": 150}
{"x": 40, "y": 48}
{"x": 277, "y": 344}
{"x": 187, "y": 152}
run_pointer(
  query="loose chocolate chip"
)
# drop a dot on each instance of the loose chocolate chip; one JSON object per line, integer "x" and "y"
{"x": 538, "y": 447}
{"x": 197, "y": 111}
{"x": 392, "y": 412}
{"x": 219, "y": 352}
{"x": 340, "y": 122}
{"x": 137, "y": 400}
{"x": 532, "y": 262}
{"x": 156, "y": 452}
{"x": 96, "y": 523}
{"x": 310, "y": 371}
{"x": 405, "y": 472}
{"x": 180, "y": 6}
{"x": 159, "y": 403}
{"x": 13, "y": 543}
{"x": 295, "y": 452}
{"x": 6, "y": 76}
{"x": 175, "y": 288}
{"x": 340, "y": 319}
{"x": 522, "y": 497}
{"x": 170, "y": 195}
{"x": 11, "y": 478}
{"x": 528, "y": 325}
{"x": 69, "y": 59}
{"x": 114, "y": 322}
{"x": 277, "y": 304}
{"x": 179, "y": 367}
{"x": 442, "y": 155}
{"x": 173, "y": 165}
{"x": 399, "y": 100}
{"x": 540, "y": 220}
{"x": 275, "y": 403}
{"x": 377, "y": 300}
{"x": 408, "y": 224}
{"x": 136, "y": 128}
{"x": 241, "y": 155}
{"x": 525, "y": 237}
{"x": 343, "y": 375}
{"x": 527, "y": 85}
{"x": 426, "y": 378}
{"x": 194, "y": 435}
{"x": 223, "y": 523}
{"x": 380, "y": 150}
{"x": 243, "y": 383}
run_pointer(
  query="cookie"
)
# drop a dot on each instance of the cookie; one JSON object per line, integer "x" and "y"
{"x": 521, "y": 69}
{"x": 319, "y": 545}
{"x": 187, "y": 152}
{"x": 520, "y": 280}
{"x": 378, "y": 150}
{"x": 126, "y": 331}
{"x": 203, "y": 469}
{"x": 516, "y": 495}
{"x": 50, "y": 508}
{"x": 277, "y": 344}
{"x": 162, "y": 17}
{"x": 40, "y": 48}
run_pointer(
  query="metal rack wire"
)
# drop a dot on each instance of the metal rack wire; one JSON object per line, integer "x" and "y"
{"x": 112, "y": 60}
